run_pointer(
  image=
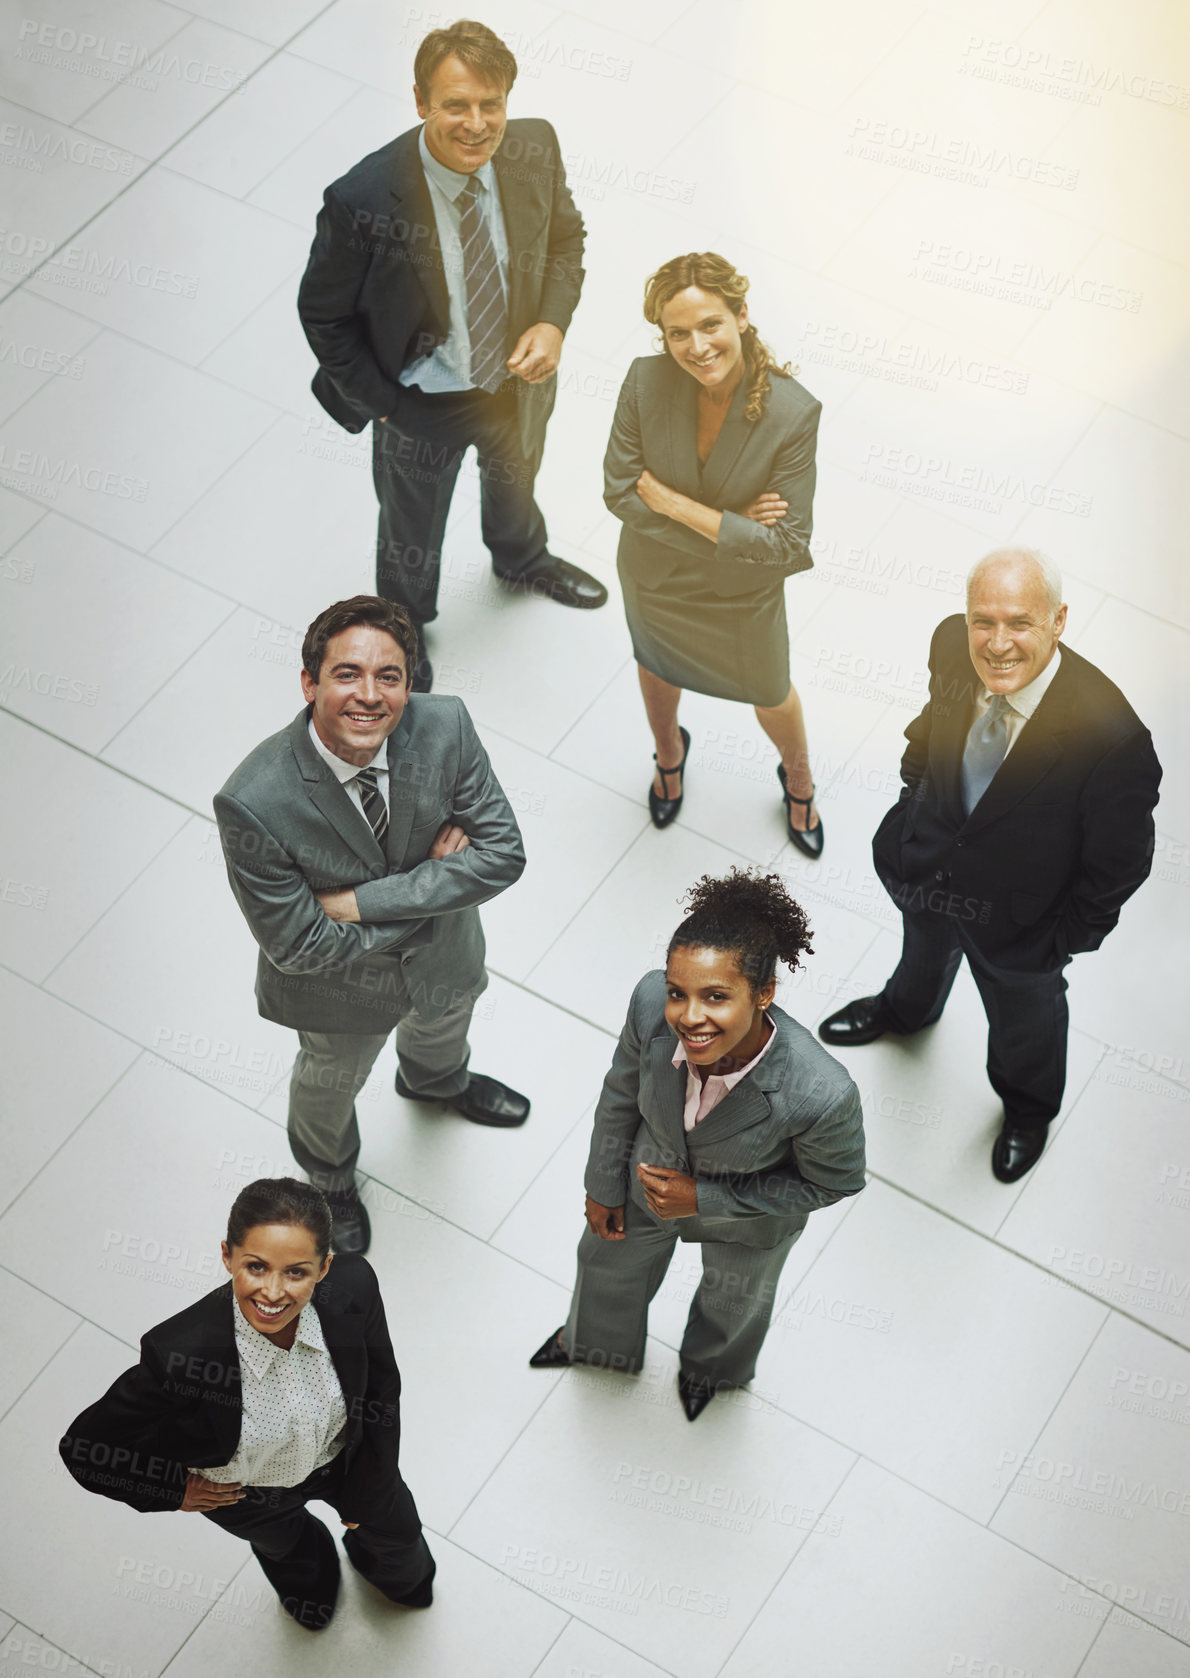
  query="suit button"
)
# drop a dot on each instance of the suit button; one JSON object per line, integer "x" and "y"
{"x": 940, "y": 876}
{"x": 959, "y": 843}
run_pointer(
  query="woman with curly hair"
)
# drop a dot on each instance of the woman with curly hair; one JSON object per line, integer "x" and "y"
{"x": 721, "y": 1121}
{"x": 710, "y": 468}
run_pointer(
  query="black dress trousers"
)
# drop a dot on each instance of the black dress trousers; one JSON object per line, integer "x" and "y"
{"x": 1028, "y": 1018}
{"x": 291, "y": 1544}
{"x": 416, "y": 455}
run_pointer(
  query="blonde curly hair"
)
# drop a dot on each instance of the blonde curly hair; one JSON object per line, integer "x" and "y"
{"x": 711, "y": 272}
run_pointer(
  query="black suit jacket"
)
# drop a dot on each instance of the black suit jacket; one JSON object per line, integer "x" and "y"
{"x": 374, "y": 298}
{"x": 180, "y": 1406}
{"x": 1061, "y": 838}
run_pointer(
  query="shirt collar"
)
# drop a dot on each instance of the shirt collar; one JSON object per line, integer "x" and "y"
{"x": 728, "y": 1079}
{"x": 1026, "y": 700}
{"x": 449, "y": 181}
{"x": 347, "y": 771}
{"x": 258, "y": 1351}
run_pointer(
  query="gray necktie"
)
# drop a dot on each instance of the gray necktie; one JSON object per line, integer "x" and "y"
{"x": 487, "y": 317}
{"x": 372, "y": 800}
{"x": 986, "y": 745}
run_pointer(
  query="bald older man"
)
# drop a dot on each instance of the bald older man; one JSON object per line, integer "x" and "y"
{"x": 1024, "y": 824}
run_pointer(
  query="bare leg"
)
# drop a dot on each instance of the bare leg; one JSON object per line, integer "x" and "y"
{"x": 661, "y": 708}
{"x": 786, "y": 728}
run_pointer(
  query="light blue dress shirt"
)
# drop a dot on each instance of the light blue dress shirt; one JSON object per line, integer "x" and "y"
{"x": 448, "y": 366}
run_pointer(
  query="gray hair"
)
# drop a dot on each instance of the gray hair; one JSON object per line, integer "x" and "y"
{"x": 1047, "y": 571}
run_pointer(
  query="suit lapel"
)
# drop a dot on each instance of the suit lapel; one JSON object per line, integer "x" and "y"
{"x": 405, "y": 771}
{"x": 749, "y": 1102}
{"x": 734, "y": 436}
{"x": 954, "y": 708}
{"x": 413, "y": 205}
{"x": 522, "y": 227}
{"x": 669, "y": 1081}
{"x": 213, "y": 1350}
{"x": 680, "y": 400}
{"x": 328, "y": 794}
{"x": 343, "y": 1332}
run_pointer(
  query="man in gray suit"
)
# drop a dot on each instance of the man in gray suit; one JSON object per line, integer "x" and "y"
{"x": 359, "y": 842}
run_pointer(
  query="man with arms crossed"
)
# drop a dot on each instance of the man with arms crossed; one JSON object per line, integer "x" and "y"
{"x": 1024, "y": 825}
{"x": 443, "y": 275}
{"x": 359, "y": 842}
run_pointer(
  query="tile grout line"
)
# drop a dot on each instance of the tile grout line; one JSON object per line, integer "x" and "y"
{"x": 857, "y": 1458}
{"x": 165, "y": 682}
{"x": 40, "y": 1371}
{"x": 1050, "y": 1416}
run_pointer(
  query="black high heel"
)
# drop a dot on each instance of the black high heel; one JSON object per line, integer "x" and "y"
{"x": 802, "y": 838}
{"x": 664, "y": 810}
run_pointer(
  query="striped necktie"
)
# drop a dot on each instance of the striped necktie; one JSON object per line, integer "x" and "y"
{"x": 987, "y": 742}
{"x": 374, "y": 805}
{"x": 487, "y": 316}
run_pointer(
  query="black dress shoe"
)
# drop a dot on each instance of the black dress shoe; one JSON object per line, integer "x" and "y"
{"x": 695, "y": 1393}
{"x": 310, "y": 1605}
{"x": 1017, "y": 1150}
{"x": 862, "y": 1021}
{"x": 551, "y": 1355}
{"x": 810, "y": 840}
{"x": 563, "y": 582}
{"x": 484, "y": 1101}
{"x": 422, "y": 1594}
{"x": 351, "y": 1231}
{"x": 664, "y": 810}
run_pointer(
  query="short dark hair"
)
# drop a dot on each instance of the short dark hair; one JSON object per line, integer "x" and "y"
{"x": 280, "y": 1200}
{"x": 752, "y": 917}
{"x": 394, "y": 620}
{"x": 479, "y": 47}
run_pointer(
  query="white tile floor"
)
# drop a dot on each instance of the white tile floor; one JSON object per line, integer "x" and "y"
{"x": 967, "y": 1451}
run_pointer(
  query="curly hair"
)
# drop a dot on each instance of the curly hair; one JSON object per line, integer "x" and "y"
{"x": 711, "y": 272}
{"x": 280, "y": 1200}
{"x": 750, "y": 915}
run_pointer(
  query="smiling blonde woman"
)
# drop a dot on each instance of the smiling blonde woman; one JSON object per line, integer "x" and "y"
{"x": 710, "y": 468}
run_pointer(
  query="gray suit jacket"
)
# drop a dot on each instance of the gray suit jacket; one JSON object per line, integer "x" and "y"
{"x": 289, "y": 829}
{"x": 786, "y": 1140}
{"x": 656, "y": 427}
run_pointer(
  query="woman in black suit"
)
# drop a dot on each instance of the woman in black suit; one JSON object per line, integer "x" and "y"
{"x": 710, "y": 467}
{"x": 278, "y": 1387}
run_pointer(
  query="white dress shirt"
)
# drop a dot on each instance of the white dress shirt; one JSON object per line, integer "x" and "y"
{"x": 346, "y": 773}
{"x": 448, "y": 365}
{"x": 1021, "y": 704}
{"x": 294, "y": 1417}
{"x": 703, "y": 1094}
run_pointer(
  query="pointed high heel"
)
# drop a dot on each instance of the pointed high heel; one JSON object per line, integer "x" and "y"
{"x": 809, "y": 841}
{"x": 664, "y": 810}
